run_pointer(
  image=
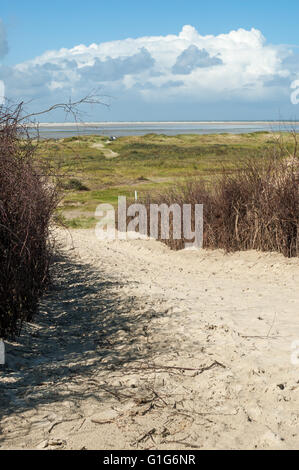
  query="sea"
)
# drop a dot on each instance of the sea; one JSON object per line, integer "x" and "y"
{"x": 118, "y": 129}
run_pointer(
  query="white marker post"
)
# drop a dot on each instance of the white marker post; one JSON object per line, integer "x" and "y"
{"x": 136, "y": 196}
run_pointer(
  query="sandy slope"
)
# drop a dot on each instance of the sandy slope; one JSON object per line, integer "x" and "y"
{"x": 140, "y": 347}
{"x": 108, "y": 153}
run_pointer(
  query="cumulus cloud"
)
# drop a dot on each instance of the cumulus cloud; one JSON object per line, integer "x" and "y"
{"x": 278, "y": 81}
{"x": 29, "y": 83}
{"x": 190, "y": 67}
{"x": 114, "y": 69}
{"x": 291, "y": 63}
{"x": 192, "y": 58}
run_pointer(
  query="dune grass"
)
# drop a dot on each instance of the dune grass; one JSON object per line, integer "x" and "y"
{"x": 256, "y": 207}
{"x": 147, "y": 164}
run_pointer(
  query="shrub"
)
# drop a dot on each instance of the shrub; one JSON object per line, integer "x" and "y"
{"x": 256, "y": 207}
{"x": 28, "y": 198}
{"x": 75, "y": 185}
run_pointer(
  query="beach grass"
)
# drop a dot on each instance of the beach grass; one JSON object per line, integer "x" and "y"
{"x": 148, "y": 163}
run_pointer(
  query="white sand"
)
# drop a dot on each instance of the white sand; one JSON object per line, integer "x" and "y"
{"x": 106, "y": 366}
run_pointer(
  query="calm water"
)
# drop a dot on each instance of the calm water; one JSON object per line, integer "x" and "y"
{"x": 124, "y": 129}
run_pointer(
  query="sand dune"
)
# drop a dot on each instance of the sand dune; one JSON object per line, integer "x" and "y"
{"x": 140, "y": 347}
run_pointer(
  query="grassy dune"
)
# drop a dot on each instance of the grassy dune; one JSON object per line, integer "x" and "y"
{"x": 143, "y": 163}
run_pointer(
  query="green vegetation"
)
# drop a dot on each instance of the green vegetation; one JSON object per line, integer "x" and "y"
{"x": 143, "y": 163}
{"x": 75, "y": 185}
{"x": 79, "y": 222}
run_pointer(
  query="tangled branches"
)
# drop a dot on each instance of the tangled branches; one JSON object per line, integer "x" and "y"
{"x": 28, "y": 198}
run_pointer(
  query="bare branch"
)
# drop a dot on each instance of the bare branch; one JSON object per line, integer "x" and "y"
{"x": 72, "y": 107}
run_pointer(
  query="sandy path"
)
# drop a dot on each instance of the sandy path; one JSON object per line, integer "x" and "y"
{"x": 140, "y": 347}
{"x": 108, "y": 153}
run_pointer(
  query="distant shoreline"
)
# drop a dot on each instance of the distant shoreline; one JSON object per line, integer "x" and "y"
{"x": 159, "y": 123}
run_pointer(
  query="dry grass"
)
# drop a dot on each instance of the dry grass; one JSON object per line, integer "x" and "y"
{"x": 256, "y": 207}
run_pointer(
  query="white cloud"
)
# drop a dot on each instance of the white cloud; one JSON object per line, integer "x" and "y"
{"x": 237, "y": 65}
{"x": 192, "y": 58}
{"x": 115, "y": 69}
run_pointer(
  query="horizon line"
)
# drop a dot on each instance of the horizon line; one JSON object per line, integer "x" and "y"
{"x": 107, "y": 123}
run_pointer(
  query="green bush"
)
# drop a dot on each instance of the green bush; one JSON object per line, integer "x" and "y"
{"x": 75, "y": 185}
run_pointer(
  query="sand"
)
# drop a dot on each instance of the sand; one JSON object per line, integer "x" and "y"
{"x": 108, "y": 153}
{"x": 138, "y": 347}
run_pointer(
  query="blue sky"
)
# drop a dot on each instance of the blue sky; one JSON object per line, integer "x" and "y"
{"x": 185, "y": 60}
